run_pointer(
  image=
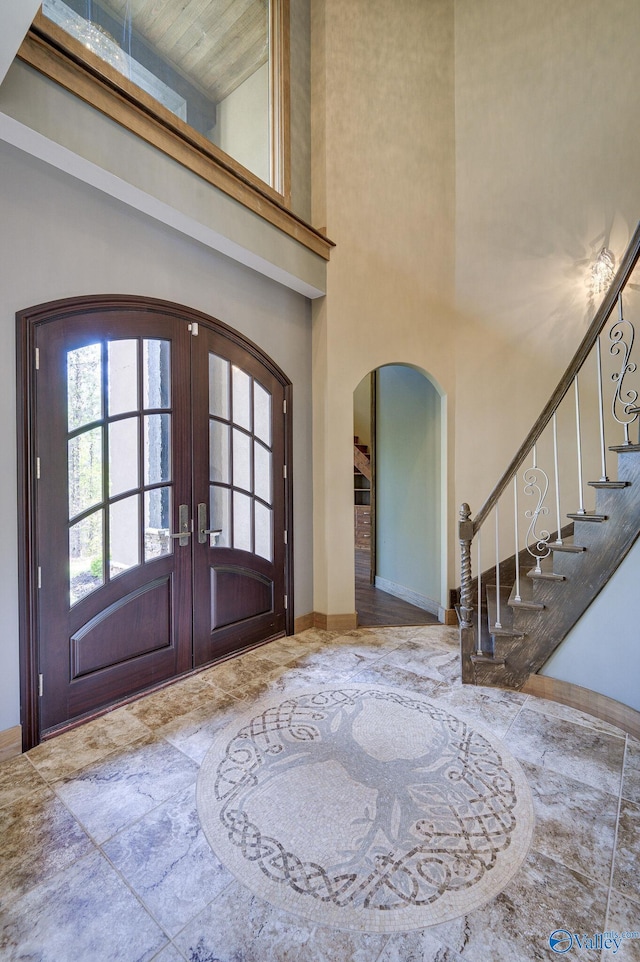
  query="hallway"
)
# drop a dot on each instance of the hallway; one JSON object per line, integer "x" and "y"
{"x": 104, "y": 857}
{"x": 376, "y": 607}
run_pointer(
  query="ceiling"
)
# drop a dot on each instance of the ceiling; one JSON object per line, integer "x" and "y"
{"x": 215, "y": 44}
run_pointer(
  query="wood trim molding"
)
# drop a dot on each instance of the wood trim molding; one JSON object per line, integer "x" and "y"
{"x": 61, "y": 58}
{"x": 10, "y": 742}
{"x": 345, "y": 622}
{"x": 317, "y": 619}
{"x": 304, "y": 622}
{"x": 583, "y": 699}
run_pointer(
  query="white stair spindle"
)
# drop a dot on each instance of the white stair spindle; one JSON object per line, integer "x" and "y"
{"x": 479, "y": 641}
{"x": 557, "y": 476}
{"x": 517, "y": 538}
{"x": 603, "y": 454}
{"x": 498, "y": 623}
{"x": 581, "y": 509}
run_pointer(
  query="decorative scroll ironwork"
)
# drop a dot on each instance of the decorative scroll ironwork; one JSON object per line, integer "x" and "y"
{"x": 536, "y": 484}
{"x": 625, "y": 400}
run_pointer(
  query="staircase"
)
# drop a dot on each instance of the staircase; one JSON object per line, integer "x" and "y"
{"x": 515, "y": 612}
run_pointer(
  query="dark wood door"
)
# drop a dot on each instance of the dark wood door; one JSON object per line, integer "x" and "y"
{"x": 159, "y": 503}
{"x": 239, "y": 498}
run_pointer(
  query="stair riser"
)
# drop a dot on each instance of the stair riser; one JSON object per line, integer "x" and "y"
{"x": 608, "y": 500}
{"x": 567, "y": 564}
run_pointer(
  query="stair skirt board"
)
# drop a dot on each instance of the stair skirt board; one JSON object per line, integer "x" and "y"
{"x": 583, "y": 699}
{"x": 399, "y": 591}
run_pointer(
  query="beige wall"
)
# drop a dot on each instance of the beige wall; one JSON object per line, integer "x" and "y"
{"x": 470, "y": 160}
{"x": 547, "y": 148}
{"x": 383, "y": 186}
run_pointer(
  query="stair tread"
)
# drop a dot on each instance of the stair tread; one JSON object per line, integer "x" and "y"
{"x": 623, "y": 448}
{"x": 588, "y": 516}
{"x": 526, "y": 597}
{"x": 569, "y": 547}
{"x": 609, "y": 484}
{"x": 544, "y": 575}
{"x": 505, "y": 632}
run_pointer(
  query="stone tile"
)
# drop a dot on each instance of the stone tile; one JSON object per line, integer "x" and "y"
{"x": 335, "y": 663}
{"x": 381, "y": 673}
{"x": 440, "y": 664}
{"x": 417, "y": 947}
{"x": 631, "y": 779}
{"x": 300, "y": 678}
{"x": 542, "y": 897}
{"x": 39, "y": 838}
{"x": 387, "y": 638}
{"x": 194, "y": 733}
{"x": 116, "y": 791}
{"x": 575, "y": 823}
{"x": 626, "y": 872}
{"x": 169, "y": 954}
{"x": 491, "y": 707}
{"x": 178, "y": 699}
{"x": 233, "y": 675}
{"x": 86, "y": 744}
{"x": 577, "y": 751}
{"x": 240, "y": 927}
{"x": 18, "y": 779}
{"x": 557, "y": 710}
{"x": 167, "y": 861}
{"x": 84, "y": 913}
{"x": 624, "y": 919}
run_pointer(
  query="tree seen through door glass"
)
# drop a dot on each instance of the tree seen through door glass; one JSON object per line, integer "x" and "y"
{"x": 241, "y": 479}
{"x": 131, "y": 491}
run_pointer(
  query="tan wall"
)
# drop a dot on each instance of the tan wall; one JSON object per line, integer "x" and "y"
{"x": 383, "y": 124}
{"x": 470, "y": 160}
{"x": 547, "y": 148}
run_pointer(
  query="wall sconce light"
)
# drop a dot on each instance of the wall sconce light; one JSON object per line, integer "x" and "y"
{"x": 602, "y": 271}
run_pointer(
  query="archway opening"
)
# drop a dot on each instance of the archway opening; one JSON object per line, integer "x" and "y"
{"x": 398, "y": 507}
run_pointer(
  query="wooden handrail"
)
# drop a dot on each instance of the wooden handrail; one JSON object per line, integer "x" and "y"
{"x": 623, "y": 274}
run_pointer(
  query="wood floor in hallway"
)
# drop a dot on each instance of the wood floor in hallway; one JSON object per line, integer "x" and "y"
{"x": 376, "y": 607}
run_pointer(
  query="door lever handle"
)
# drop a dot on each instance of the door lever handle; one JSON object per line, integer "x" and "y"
{"x": 203, "y": 531}
{"x": 185, "y": 525}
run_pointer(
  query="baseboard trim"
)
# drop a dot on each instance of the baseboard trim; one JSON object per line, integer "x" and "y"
{"x": 10, "y": 742}
{"x": 304, "y": 622}
{"x": 398, "y": 591}
{"x": 448, "y": 616}
{"x": 317, "y": 619}
{"x": 591, "y": 702}
{"x": 345, "y": 622}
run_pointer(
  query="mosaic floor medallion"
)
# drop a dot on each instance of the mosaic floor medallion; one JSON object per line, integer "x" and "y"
{"x": 365, "y": 808}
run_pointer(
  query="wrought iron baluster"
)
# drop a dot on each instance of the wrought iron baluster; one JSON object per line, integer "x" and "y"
{"x": 479, "y": 639}
{"x": 517, "y": 536}
{"x": 581, "y": 509}
{"x": 557, "y": 478}
{"x": 497, "y": 516}
{"x": 536, "y": 484}
{"x": 624, "y": 400}
{"x": 603, "y": 450}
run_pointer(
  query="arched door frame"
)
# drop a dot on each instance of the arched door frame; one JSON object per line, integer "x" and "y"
{"x": 28, "y": 322}
{"x": 444, "y": 600}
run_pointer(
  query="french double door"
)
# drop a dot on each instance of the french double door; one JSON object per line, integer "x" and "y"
{"x": 160, "y": 499}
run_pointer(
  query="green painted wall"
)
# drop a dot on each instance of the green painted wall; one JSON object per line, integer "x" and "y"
{"x": 408, "y": 492}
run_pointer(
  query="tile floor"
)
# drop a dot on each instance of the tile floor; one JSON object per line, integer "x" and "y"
{"x": 103, "y": 859}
